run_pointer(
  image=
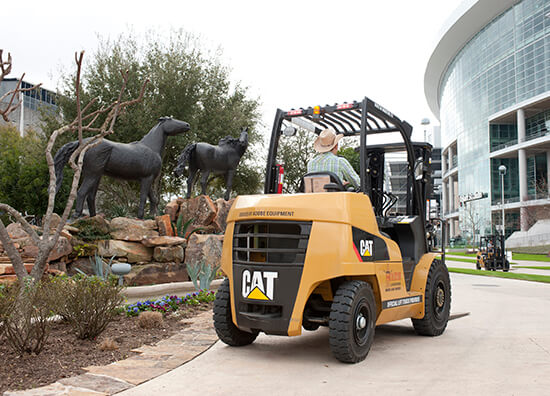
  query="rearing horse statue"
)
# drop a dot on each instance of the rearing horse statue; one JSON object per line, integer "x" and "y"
{"x": 132, "y": 161}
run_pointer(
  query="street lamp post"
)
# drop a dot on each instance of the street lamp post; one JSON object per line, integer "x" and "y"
{"x": 425, "y": 122}
{"x": 502, "y": 172}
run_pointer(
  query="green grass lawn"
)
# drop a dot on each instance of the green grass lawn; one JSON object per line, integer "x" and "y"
{"x": 532, "y": 267}
{"x": 499, "y": 274}
{"x": 465, "y": 260}
{"x": 530, "y": 257}
{"x": 462, "y": 254}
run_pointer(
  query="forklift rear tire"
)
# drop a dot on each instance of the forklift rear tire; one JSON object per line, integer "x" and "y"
{"x": 352, "y": 321}
{"x": 506, "y": 266}
{"x": 223, "y": 321}
{"x": 437, "y": 302}
{"x": 478, "y": 266}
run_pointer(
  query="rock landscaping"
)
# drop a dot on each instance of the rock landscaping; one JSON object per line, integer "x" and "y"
{"x": 153, "y": 247}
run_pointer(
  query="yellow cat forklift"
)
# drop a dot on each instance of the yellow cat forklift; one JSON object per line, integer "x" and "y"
{"x": 491, "y": 254}
{"x": 337, "y": 258}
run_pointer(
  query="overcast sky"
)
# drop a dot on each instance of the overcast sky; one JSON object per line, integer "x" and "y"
{"x": 289, "y": 53}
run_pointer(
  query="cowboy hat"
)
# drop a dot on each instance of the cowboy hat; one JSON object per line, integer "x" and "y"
{"x": 326, "y": 141}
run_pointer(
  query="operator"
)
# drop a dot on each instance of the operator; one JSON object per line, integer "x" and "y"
{"x": 327, "y": 160}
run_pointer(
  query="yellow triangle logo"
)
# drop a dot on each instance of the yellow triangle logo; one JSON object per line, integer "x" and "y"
{"x": 367, "y": 253}
{"x": 257, "y": 294}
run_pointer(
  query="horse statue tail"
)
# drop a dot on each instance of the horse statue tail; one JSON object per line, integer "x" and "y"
{"x": 184, "y": 158}
{"x": 61, "y": 158}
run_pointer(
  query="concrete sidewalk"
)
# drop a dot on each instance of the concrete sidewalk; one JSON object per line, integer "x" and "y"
{"x": 501, "y": 348}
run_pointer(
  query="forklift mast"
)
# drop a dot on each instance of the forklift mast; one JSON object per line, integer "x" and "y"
{"x": 363, "y": 118}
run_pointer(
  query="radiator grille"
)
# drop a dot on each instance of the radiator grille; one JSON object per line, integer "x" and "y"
{"x": 270, "y": 242}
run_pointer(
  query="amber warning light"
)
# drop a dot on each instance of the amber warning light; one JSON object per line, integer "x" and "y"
{"x": 317, "y": 112}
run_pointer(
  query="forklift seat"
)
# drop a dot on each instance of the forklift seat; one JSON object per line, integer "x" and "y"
{"x": 321, "y": 182}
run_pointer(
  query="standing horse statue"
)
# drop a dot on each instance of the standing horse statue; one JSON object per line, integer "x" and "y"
{"x": 219, "y": 160}
{"x": 133, "y": 161}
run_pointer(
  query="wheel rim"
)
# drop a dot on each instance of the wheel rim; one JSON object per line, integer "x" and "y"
{"x": 439, "y": 300}
{"x": 361, "y": 323}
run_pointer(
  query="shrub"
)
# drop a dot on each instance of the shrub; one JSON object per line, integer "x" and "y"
{"x": 150, "y": 319}
{"x": 26, "y": 313}
{"x": 90, "y": 303}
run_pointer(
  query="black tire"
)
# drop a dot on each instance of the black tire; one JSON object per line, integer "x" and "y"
{"x": 352, "y": 321}
{"x": 506, "y": 266}
{"x": 437, "y": 302}
{"x": 223, "y": 322}
{"x": 478, "y": 266}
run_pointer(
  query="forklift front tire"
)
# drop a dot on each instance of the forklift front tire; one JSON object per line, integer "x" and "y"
{"x": 437, "y": 302}
{"x": 352, "y": 321}
{"x": 223, "y": 322}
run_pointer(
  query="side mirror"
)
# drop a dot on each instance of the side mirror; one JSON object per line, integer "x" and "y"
{"x": 289, "y": 131}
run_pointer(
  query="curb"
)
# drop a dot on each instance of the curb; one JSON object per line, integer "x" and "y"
{"x": 165, "y": 288}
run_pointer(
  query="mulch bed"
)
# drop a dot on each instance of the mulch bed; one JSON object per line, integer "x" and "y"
{"x": 64, "y": 355}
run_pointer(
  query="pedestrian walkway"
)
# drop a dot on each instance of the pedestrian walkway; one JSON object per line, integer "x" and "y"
{"x": 152, "y": 361}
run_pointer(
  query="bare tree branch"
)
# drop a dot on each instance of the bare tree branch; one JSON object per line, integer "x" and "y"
{"x": 5, "y": 69}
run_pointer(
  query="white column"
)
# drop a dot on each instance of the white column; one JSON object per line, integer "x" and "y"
{"x": 443, "y": 164}
{"x": 450, "y": 155}
{"x": 521, "y": 125}
{"x": 522, "y": 172}
{"x": 451, "y": 194}
{"x": 443, "y": 198}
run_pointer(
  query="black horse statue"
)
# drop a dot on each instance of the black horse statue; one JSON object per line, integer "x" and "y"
{"x": 219, "y": 160}
{"x": 134, "y": 161}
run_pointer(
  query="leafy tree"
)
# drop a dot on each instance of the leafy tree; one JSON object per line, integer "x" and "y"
{"x": 24, "y": 172}
{"x": 186, "y": 83}
{"x": 352, "y": 156}
{"x": 294, "y": 153}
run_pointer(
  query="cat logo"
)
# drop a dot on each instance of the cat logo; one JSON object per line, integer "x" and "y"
{"x": 258, "y": 285}
{"x": 366, "y": 247}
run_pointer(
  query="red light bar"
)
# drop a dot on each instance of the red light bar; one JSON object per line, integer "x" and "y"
{"x": 294, "y": 112}
{"x": 344, "y": 106}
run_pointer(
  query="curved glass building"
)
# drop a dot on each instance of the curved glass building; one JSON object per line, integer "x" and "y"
{"x": 488, "y": 82}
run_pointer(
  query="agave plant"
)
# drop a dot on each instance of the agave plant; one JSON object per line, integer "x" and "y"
{"x": 202, "y": 274}
{"x": 180, "y": 228}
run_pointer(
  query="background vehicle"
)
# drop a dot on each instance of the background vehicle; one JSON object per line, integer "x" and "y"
{"x": 338, "y": 258}
{"x": 491, "y": 254}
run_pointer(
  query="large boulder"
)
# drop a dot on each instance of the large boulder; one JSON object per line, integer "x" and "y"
{"x": 205, "y": 247}
{"x": 165, "y": 254}
{"x": 222, "y": 210}
{"x": 62, "y": 248}
{"x": 164, "y": 241}
{"x": 16, "y": 231}
{"x": 172, "y": 208}
{"x": 96, "y": 225}
{"x": 135, "y": 230}
{"x": 134, "y": 252}
{"x": 164, "y": 224}
{"x": 201, "y": 209}
{"x": 155, "y": 273}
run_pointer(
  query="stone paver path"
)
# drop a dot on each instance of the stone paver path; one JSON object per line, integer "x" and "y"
{"x": 152, "y": 361}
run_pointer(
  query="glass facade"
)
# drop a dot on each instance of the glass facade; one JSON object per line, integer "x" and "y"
{"x": 504, "y": 64}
